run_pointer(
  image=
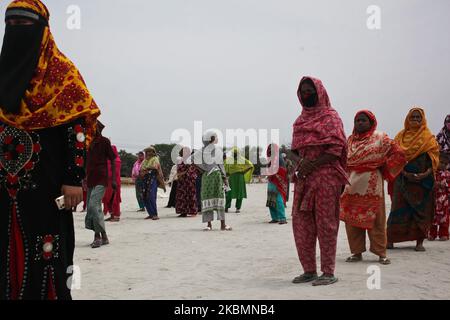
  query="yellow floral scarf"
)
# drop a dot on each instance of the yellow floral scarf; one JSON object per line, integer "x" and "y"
{"x": 416, "y": 141}
{"x": 57, "y": 93}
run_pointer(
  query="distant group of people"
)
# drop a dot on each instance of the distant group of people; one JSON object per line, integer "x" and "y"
{"x": 51, "y": 140}
{"x": 198, "y": 186}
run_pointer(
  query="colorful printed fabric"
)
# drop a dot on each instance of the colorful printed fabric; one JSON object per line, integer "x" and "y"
{"x": 275, "y": 203}
{"x": 442, "y": 198}
{"x": 213, "y": 193}
{"x": 372, "y": 157}
{"x": 416, "y": 141}
{"x": 154, "y": 162}
{"x": 277, "y": 171}
{"x": 57, "y": 93}
{"x": 186, "y": 196}
{"x": 443, "y": 136}
{"x": 239, "y": 165}
{"x": 320, "y": 125}
{"x": 322, "y": 224}
{"x": 136, "y": 170}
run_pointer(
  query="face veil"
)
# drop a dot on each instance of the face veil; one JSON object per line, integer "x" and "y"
{"x": 18, "y": 61}
{"x": 40, "y": 87}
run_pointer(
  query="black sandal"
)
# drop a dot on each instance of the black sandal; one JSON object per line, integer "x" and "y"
{"x": 354, "y": 258}
{"x": 304, "y": 278}
{"x": 325, "y": 280}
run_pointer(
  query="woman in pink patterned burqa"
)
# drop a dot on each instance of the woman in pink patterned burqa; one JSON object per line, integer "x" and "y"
{"x": 321, "y": 146}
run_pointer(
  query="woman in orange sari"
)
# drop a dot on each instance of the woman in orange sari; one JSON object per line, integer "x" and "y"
{"x": 413, "y": 206}
{"x": 372, "y": 158}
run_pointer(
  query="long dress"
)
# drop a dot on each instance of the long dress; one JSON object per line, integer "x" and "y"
{"x": 240, "y": 172}
{"x": 173, "y": 190}
{"x": 238, "y": 190}
{"x": 277, "y": 193}
{"x": 36, "y": 238}
{"x": 112, "y": 205}
{"x": 440, "y": 225}
{"x": 412, "y": 204}
{"x": 186, "y": 197}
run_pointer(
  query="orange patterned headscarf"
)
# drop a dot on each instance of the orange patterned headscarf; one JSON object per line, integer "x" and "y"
{"x": 416, "y": 141}
{"x": 57, "y": 93}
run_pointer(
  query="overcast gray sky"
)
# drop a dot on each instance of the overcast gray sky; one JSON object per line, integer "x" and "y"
{"x": 155, "y": 66}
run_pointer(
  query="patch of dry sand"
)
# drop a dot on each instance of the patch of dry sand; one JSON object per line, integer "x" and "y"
{"x": 174, "y": 259}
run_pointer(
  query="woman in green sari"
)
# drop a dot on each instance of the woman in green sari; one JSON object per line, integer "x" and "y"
{"x": 239, "y": 172}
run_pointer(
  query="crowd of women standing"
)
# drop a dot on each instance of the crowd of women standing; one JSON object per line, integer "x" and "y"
{"x": 336, "y": 179}
{"x": 343, "y": 179}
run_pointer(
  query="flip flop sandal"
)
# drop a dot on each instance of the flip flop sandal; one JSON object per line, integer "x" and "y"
{"x": 274, "y": 221}
{"x": 324, "y": 281}
{"x": 282, "y": 222}
{"x": 207, "y": 229}
{"x": 227, "y": 228}
{"x": 354, "y": 259}
{"x": 96, "y": 244}
{"x": 384, "y": 261}
{"x": 304, "y": 278}
{"x": 420, "y": 249}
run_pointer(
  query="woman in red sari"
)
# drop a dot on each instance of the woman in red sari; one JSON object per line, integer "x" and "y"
{"x": 319, "y": 141}
{"x": 112, "y": 198}
{"x": 372, "y": 158}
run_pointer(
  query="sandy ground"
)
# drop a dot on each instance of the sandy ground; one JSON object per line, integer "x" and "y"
{"x": 174, "y": 259}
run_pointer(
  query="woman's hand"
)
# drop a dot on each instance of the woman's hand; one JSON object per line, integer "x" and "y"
{"x": 72, "y": 196}
{"x": 306, "y": 168}
{"x": 417, "y": 177}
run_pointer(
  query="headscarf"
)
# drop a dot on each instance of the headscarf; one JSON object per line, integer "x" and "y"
{"x": 374, "y": 150}
{"x": 319, "y": 125}
{"x": 416, "y": 141}
{"x": 150, "y": 148}
{"x": 239, "y": 165}
{"x": 185, "y": 154}
{"x": 372, "y": 129}
{"x": 443, "y": 137}
{"x": 55, "y": 94}
{"x": 210, "y": 157}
